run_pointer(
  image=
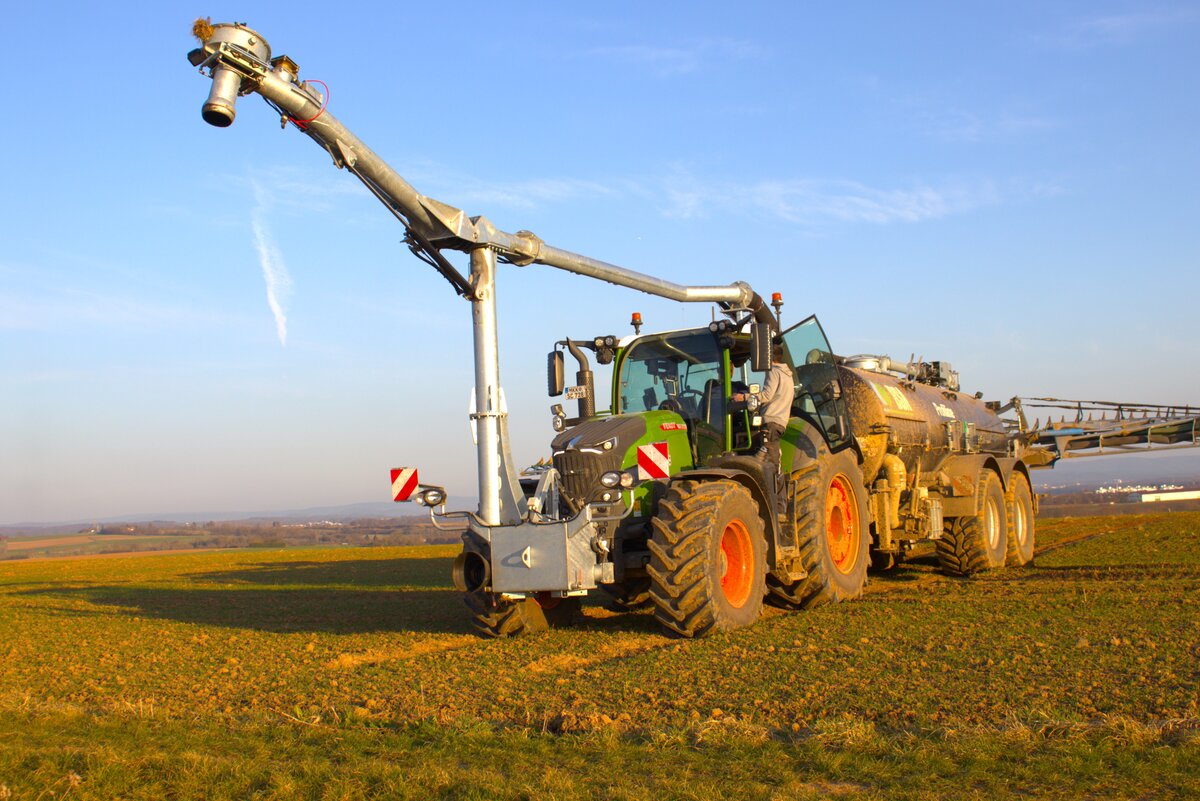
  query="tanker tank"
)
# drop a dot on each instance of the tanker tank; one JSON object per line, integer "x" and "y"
{"x": 916, "y": 413}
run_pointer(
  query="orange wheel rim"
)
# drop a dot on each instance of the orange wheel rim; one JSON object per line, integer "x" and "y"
{"x": 841, "y": 525}
{"x": 737, "y": 563}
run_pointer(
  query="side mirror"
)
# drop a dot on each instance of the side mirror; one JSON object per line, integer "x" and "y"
{"x": 760, "y": 347}
{"x": 556, "y": 380}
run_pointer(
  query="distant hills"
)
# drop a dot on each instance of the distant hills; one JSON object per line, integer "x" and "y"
{"x": 337, "y": 514}
{"x": 1180, "y": 467}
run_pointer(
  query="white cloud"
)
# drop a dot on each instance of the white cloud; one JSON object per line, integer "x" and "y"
{"x": 274, "y": 270}
{"x": 1117, "y": 29}
{"x": 678, "y": 193}
{"x": 959, "y": 125}
{"x": 525, "y": 194}
{"x": 686, "y": 58}
{"x": 290, "y": 189}
{"x": 811, "y": 202}
{"x": 49, "y": 310}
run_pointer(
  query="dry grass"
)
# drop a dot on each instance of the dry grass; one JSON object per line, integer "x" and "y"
{"x": 1091, "y": 655}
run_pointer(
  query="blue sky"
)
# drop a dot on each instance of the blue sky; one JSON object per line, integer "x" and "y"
{"x": 1011, "y": 187}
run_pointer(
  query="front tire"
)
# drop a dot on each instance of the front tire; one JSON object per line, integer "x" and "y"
{"x": 707, "y": 558}
{"x": 628, "y": 596}
{"x": 978, "y": 542}
{"x": 831, "y": 527}
{"x": 495, "y": 616}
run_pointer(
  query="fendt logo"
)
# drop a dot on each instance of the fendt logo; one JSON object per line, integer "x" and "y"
{"x": 654, "y": 460}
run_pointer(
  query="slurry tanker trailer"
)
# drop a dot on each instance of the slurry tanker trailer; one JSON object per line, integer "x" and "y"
{"x": 661, "y": 498}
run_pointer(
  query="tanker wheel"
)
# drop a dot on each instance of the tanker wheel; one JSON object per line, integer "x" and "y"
{"x": 707, "y": 558}
{"x": 495, "y": 616}
{"x": 977, "y": 542}
{"x": 831, "y": 530}
{"x": 628, "y": 596}
{"x": 1020, "y": 522}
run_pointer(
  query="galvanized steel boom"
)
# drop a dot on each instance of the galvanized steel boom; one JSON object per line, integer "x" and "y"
{"x": 239, "y": 61}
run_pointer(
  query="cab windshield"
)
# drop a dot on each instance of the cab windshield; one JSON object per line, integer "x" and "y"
{"x": 678, "y": 372}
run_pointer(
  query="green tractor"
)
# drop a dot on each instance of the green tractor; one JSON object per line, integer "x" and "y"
{"x": 691, "y": 518}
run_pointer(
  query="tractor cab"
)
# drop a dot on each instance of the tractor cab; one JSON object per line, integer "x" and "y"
{"x": 692, "y": 376}
{"x": 690, "y": 373}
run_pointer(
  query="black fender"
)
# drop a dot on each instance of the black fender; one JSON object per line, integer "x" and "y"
{"x": 749, "y": 472}
{"x": 963, "y": 471}
{"x": 1020, "y": 467}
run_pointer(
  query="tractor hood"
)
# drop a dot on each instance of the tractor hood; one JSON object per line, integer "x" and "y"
{"x": 583, "y": 453}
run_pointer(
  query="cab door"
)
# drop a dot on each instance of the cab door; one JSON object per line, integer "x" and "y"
{"x": 818, "y": 397}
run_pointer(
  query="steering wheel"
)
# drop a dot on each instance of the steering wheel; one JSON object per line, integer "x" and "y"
{"x": 685, "y": 401}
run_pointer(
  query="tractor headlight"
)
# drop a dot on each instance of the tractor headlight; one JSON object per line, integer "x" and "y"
{"x": 433, "y": 497}
{"x": 616, "y": 478}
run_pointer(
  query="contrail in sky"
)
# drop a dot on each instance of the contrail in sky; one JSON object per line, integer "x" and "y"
{"x": 279, "y": 283}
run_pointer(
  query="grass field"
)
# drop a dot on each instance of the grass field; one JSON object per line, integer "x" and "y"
{"x": 93, "y": 544}
{"x": 351, "y": 673}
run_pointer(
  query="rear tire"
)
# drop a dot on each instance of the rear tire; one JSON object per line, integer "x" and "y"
{"x": 1020, "y": 522}
{"x": 977, "y": 542}
{"x": 707, "y": 558}
{"x": 831, "y": 524}
{"x": 494, "y": 616}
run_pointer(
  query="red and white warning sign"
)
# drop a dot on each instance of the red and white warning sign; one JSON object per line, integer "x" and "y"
{"x": 654, "y": 460}
{"x": 404, "y": 483}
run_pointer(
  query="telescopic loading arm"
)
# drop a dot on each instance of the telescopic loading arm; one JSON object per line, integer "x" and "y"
{"x": 239, "y": 61}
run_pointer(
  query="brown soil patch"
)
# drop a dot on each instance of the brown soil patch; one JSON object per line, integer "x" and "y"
{"x": 620, "y": 648}
{"x": 350, "y": 661}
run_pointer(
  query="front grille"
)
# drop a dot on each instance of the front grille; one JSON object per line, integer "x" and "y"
{"x": 580, "y": 455}
{"x": 581, "y": 473}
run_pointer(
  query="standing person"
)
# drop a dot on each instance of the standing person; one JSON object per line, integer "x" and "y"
{"x": 775, "y": 406}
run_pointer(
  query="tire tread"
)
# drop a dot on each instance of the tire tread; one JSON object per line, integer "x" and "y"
{"x": 679, "y": 546}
